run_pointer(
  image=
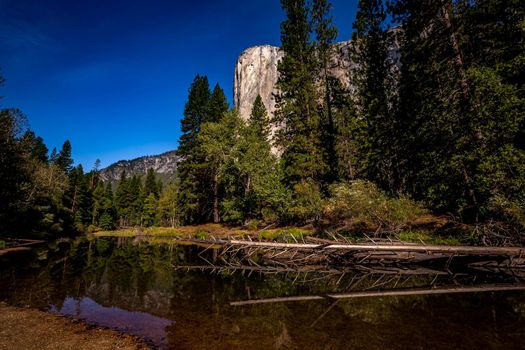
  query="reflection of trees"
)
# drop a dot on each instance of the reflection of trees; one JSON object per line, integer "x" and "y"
{"x": 139, "y": 276}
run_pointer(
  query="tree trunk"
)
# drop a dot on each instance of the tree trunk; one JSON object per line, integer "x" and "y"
{"x": 216, "y": 198}
{"x": 465, "y": 90}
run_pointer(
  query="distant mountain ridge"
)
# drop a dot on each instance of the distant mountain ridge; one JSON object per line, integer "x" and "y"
{"x": 165, "y": 165}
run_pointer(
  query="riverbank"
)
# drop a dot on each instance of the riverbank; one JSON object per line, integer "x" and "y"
{"x": 29, "y": 329}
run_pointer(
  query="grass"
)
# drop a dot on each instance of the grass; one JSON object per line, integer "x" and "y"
{"x": 426, "y": 237}
{"x": 207, "y": 231}
{"x": 284, "y": 234}
{"x": 280, "y": 234}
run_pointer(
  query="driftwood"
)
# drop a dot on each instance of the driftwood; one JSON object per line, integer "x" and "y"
{"x": 427, "y": 249}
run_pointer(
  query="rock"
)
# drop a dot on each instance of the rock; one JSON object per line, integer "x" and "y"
{"x": 164, "y": 165}
{"x": 256, "y": 74}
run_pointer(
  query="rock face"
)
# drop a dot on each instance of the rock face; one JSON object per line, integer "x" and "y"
{"x": 256, "y": 74}
{"x": 164, "y": 165}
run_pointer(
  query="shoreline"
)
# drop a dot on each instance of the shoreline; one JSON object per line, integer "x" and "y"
{"x": 28, "y": 328}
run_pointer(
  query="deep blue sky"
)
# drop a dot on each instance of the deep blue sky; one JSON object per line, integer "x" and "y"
{"x": 112, "y": 76}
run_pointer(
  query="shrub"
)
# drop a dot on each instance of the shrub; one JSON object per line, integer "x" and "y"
{"x": 2, "y": 244}
{"x": 308, "y": 203}
{"x": 362, "y": 203}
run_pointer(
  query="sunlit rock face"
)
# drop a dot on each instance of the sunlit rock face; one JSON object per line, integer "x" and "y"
{"x": 256, "y": 74}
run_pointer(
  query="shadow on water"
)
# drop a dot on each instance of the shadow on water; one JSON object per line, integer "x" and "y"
{"x": 140, "y": 288}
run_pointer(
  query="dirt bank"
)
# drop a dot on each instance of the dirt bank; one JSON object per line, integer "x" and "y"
{"x": 32, "y": 329}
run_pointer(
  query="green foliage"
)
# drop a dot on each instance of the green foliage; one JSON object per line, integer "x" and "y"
{"x": 107, "y": 221}
{"x": 63, "y": 159}
{"x": 167, "y": 213}
{"x": 307, "y": 204}
{"x": 150, "y": 210}
{"x": 300, "y": 133}
{"x": 427, "y": 238}
{"x": 361, "y": 202}
{"x": 195, "y": 192}
{"x": 2, "y": 244}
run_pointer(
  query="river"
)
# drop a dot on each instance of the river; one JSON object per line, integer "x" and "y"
{"x": 141, "y": 288}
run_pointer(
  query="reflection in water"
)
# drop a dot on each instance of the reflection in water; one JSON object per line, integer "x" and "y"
{"x": 133, "y": 286}
{"x": 138, "y": 323}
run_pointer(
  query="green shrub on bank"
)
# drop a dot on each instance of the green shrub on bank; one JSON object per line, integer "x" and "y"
{"x": 362, "y": 202}
{"x": 2, "y": 244}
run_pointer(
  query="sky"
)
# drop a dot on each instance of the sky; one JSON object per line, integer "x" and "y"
{"x": 112, "y": 76}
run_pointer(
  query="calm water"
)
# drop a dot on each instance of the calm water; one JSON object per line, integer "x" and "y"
{"x": 136, "y": 287}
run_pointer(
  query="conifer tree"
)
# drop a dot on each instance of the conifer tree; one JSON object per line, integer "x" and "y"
{"x": 329, "y": 85}
{"x": 373, "y": 74}
{"x": 98, "y": 203}
{"x": 299, "y": 135}
{"x": 195, "y": 191}
{"x": 257, "y": 168}
{"x": 35, "y": 146}
{"x": 460, "y": 109}
{"x": 218, "y": 104}
{"x": 63, "y": 159}
{"x": 150, "y": 184}
{"x": 150, "y": 210}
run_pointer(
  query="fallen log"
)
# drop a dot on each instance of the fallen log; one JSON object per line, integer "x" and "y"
{"x": 427, "y": 249}
{"x": 384, "y": 293}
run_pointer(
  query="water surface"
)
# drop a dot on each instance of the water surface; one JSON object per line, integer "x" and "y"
{"x": 139, "y": 287}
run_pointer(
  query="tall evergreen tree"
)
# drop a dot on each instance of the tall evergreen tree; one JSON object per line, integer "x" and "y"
{"x": 299, "y": 135}
{"x": 12, "y": 172}
{"x": 35, "y": 146}
{"x": 194, "y": 182}
{"x": 64, "y": 160}
{"x": 259, "y": 120}
{"x": 460, "y": 110}
{"x": 218, "y": 104}
{"x": 373, "y": 74}
{"x": 150, "y": 184}
{"x": 329, "y": 85}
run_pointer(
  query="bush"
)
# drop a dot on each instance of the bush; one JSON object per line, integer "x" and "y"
{"x": 362, "y": 203}
{"x": 512, "y": 211}
{"x": 307, "y": 204}
{"x": 2, "y": 244}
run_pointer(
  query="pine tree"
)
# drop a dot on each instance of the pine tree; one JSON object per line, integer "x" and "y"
{"x": 194, "y": 183}
{"x": 373, "y": 73}
{"x": 150, "y": 210}
{"x": 460, "y": 109}
{"x": 300, "y": 132}
{"x": 262, "y": 194}
{"x": 34, "y": 146}
{"x": 12, "y": 172}
{"x": 122, "y": 199}
{"x": 150, "y": 184}
{"x": 218, "y": 104}
{"x": 329, "y": 85}
{"x": 259, "y": 120}
{"x": 64, "y": 160}
{"x": 53, "y": 156}
{"x": 98, "y": 203}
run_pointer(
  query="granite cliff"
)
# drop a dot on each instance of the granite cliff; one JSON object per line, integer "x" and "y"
{"x": 256, "y": 74}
